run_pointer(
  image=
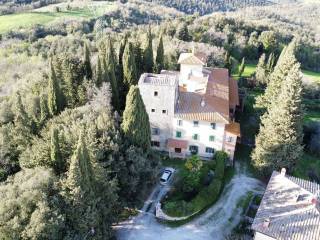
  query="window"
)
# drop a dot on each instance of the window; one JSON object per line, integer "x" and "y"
{"x": 211, "y": 138}
{"x": 164, "y": 111}
{"x": 155, "y": 93}
{"x": 193, "y": 149}
{"x": 195, "y": 123}
{"x": 153, "y": 110}
{"x": 213, "y": 125}
{"x": 178, "y": 134}
{"x": 179, "y": 122}
{"x": 155, "y": 144}
{"x": 209, "y": 150}
{"x": 195, "y": 137}
{"x": 230, "y": 139}
{"x": 155, "y": 131}
{"x": 177, "y": 150}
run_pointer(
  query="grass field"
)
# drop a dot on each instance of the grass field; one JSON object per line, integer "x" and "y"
{"x": 48, "y": 14}
{"x": 315, "y": 76}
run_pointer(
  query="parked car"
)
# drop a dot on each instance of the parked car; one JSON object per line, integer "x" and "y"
{"x": 166, "y": 175}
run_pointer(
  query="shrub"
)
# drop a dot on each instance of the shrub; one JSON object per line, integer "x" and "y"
{"x": 220, "y": 158}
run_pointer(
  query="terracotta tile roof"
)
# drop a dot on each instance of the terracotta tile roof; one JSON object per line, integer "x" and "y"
{"x": 192, "y": 58}
{"x": 189, "y": 107}
{"x": 288, "y": 209}
{"x": 176, "y": 143}
{"x": 233, "y": 128}
{"x": 233, "y": 93}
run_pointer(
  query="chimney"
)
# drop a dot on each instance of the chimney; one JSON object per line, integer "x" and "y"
{"x": 283, "y": 172}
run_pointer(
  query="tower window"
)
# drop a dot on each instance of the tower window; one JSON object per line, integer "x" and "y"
{"x": 153, "y": 110}
{"x": 155, "y": 93}
{"x": 164, "y": 111}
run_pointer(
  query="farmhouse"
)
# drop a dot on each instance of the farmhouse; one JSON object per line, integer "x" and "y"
{"x": 192, "y": 111}
{"x": 290, "y": 209}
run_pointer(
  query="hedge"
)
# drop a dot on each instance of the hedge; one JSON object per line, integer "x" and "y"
{"x": 205, "y": 198}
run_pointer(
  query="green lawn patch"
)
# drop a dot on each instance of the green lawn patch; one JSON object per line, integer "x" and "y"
{"x": 248, "y": 71}
{"x": 46, "y": 15}
{"x": 315, "y": 76}
{"x": 306, "y": 165}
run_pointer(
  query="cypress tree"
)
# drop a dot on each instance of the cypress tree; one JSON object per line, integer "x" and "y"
{"x": 261, "y": 73}
{"x": 53, "y": 93}
{"x": 87, "y": 63}
{"x": 55, "y": 153}
{"x": 135, "y": 125}
{"x": 148, "y": 53}
{"x": 183, "y": 33}
{"x": 138, "y": 56}
{"x": 123, "y": 44}
{"x": 21, "y": 115}
{"x": 160, "y": 56}
{"x": 129, "y": 67}
{"x": 242, "y": 67}
{"x": 227, "y": 61}
{"x": 98, "y": 73}
{"x": 286, "y": 61}
{"x": 279, "y": 142}
{"x": 270, "y": 63}
{"x": 111, "y": 68}
{"x": 44, "y": 110}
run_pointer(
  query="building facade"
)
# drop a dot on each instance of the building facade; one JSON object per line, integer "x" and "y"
{"x": 191, "y": 111}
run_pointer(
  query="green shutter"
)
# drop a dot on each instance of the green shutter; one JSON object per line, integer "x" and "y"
{"x": 178, "y": 134}
{"x": 211, "y": 138}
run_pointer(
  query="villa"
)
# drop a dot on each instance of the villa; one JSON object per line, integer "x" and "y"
{"x": 192, "y": 111}
{"x": 290, "y": 209}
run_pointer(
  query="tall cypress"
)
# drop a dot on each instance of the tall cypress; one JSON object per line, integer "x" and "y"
{"x": 270, "y": 63}
{"x": 55, "y": 153}
{"x": 53, "y": 92}
{"x": 279, "y": 142}
{"x": 138, "y": 56}
{"x": 160, "y": 56}
{"x": 242, "y": 67}
{"x": 135, "y": 124}
{"x": 286, "y": 60}
{"x": 98, "y": 73}
{"x": 111, "y": 68}
{"x": 87, "y": 63}
{"x": 44, "y": 110}
{"x": 148, "y": 53}
{"x": 129, "y": 67}
{"x": 261, "y": 73}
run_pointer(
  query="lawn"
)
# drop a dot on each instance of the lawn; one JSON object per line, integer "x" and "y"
{"x": 48, "y": 14}
{"x": 308, "y": 164}
{"x": 315, "y": 76}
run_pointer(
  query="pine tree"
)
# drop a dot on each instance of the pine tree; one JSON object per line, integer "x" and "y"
{"x": 160, "y": 56}
{"x": 98, "y": 73}
{"x": 242, "y": 67}
{"x": 111, "y": 68}
{"x": 129, "y": 67}
{"x": 261, "y": 73}
{"x": 53, "y": 93}
{"x": 55, "y": 153}
{"x": 285, "y": 62}
{"x": 135, "y": 125}
{"x": 148, "y": 53}
{"x": 279, "y": 142}
{"x": 87, "y": 63}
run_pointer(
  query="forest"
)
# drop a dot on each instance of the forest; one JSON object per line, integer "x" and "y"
{"x": 74, "y": 132}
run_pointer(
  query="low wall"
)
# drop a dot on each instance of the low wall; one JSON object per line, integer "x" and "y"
{"x": 161, "y": 215}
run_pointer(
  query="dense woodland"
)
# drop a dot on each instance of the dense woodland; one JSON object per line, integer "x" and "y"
{"x": 74, "y": 133}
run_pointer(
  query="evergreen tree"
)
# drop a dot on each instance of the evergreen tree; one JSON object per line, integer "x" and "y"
{"x": 242, "y": 67}
{"x": 98, "y": 73}
{"x": 44, "y": 110}
{"x": 261, "y": 73}
{"x": 183, "y": 33}
{"x": 87, "y": 63}
{"x": 227, "y": 61}
{"x": 111, "y": 68}
{"x": 53, "y": 93}
{"x": 89, "y": 196}
{"x": 138, "y": 55}
{"x": 160, "y": 56}
{"x": 285, "y": 62}
{"x": 135, "y": 125}
{"x": 148, "y": 53}
{"x": 129, "y": 67}
{"x": 21, "y": 115}
{"x": 270, "y": 63}
{"x": 55, "y": 153}
{"x": 279, "y": 142}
